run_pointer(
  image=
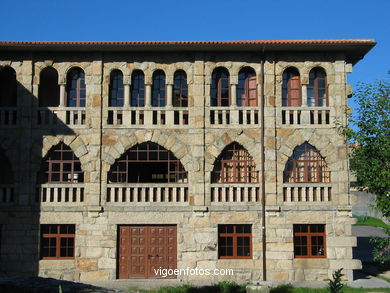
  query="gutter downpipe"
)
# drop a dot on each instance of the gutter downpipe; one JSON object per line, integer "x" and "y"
{"x": 263, "y": 166}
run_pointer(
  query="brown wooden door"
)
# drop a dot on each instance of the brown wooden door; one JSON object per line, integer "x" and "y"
{"x": 144, "y": 249}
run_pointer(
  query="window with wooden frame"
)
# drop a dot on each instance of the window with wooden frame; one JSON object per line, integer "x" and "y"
{"x": 49, "y": 89}
{"x": 220, "y": 88}
{"x": 291, "y": 88}
{"x": 306, "y": 165}
{"x": 75, "y": 88}
{"x": 180, "y": 89}
{"x": 158, "y": 89}
{"x": 309, "y": 241}
{"x": 8, "y": 87}
{"x": 147, "y": 163}
{"x": 235, "y": 241}
{"x": 137, "y": 89}
{"x": 234, "y": 165}
{"x": 317, "y": 92}
{"x": 57, "y": 241}
{"x": 247, "y": 88}
{"x": 116, "y": 92}
{"x": 60, "y": 165}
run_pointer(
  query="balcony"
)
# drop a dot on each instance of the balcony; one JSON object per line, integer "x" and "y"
{"x": 7, "y": 194}
{"x": 237, "y": 193}
{"x": 59, "y": 194}
{"x": 8, "y": 116}
{"x": 305, "y": 192}
{"x": 161, "y": 117}
{"x": 307, "y": 116}
{"x": 233, "y": 116}
{"x": 71, "y": 116}
{"x": 144, "y": 194}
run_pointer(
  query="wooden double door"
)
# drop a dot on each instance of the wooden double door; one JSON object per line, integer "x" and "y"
{"x": 145, "y": 249}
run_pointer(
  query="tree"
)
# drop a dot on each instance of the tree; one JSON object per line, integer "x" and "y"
{"x": 369, "y": 133}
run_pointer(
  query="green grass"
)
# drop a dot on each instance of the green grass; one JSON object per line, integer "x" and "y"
{"x": 227, "y": 287}
{"x": 370, "y": 221}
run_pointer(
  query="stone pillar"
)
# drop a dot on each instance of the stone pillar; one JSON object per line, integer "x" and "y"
{"x": 148, "y": 95}
{"x": 169, "y": 95}
{"x": 233, "y": 94}
{"x": 304, "y": 95}
{"x": 126, "y": 96}
{"x": 62, "y": 94}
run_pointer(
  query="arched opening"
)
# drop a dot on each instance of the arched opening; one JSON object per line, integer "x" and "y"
{"x": 317, "y": 88}
{"x": 49, "y": 90}
{"x": 291, "y": 88}
{"x": 247, "y": 87}
{"x": 220, "y": 87}
{"x": 180, "y": 89}
{"x": 8, "y": 87}
{"x": 137, "y": 89}
{"x": 75, "y": 88}
{"x": 116, "y": 91}
{"x": 158, "y": 89}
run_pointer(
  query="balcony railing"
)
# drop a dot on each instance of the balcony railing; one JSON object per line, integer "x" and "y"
{"x": 8, "y": 116}
{"x": 226, "y": 193}
{"x": 6, "y": 194}
{"x": 147, "y": 193}
{"x": 72, "y": 116}
{"x": 302, "y": 192}
{"x": 306, "y": 116}
{"x": 234, "y": 116}
{"x": 121, "y": 117}
{"x": 60, "y": 193}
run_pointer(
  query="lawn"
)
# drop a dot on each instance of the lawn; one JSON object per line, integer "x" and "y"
{"x": 370, "y": 221}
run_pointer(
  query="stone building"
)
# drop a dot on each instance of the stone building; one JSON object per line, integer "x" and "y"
{"x": 118, "y": 158}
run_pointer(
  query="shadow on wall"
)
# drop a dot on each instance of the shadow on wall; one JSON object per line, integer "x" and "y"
{"x": 23, "y": 125}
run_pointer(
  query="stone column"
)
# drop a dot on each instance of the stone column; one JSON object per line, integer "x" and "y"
{"x": 169, "y": 95}
{"x": 126, "y": 89}
{"x": 62, "y": 94}
{"x": 304, "y": 95}
{"x": 148, "y": 95}
{"x": 233, "y": 94}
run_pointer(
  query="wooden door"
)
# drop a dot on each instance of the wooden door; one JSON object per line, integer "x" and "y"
{"x": 144, "y": 249}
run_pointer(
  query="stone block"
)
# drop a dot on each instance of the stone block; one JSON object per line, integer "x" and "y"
{"x": 101, "y": 275}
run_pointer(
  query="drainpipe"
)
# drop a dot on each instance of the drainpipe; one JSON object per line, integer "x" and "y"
{"x": 263, "y": 166}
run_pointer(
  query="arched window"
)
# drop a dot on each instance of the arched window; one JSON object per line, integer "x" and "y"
{"x": 6, "y": 173}
{"x": 137, "y": 89}
{"x": 180, "y": 89}
{"x": 116, "y": 92}
{"x": 147, "y": 162}
{"x": 247, "y": 87}
{"x": 49, "y": 90}
{"x": 60, "y": 165}
{"x": 234, "y": 165}
{"x": 306, "y": 165}
{"x": 158, "y": 89}
{"x": 220, "y": 87}
{"x": 8, "y": 87}
{"x": 75, "y": 88}
{"x": 317, "y": 88}
{"x": 291, "y": 88}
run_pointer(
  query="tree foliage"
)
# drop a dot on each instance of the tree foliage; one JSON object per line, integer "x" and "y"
{"x": 369, "y": 131}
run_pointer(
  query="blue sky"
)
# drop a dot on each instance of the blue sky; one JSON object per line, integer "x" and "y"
{"x": 155, "y": 20}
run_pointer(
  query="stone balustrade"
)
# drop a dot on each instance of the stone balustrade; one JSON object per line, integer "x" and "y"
{"x": 234, "y": 116}
{"x": 304, "y": 192}
{"x": 147, "y": 193}
{"x": 71, "y": 116}
{"x": 227, "y": 193}
{"x": 306, "y": 116}
{"x": 60, "y": 193}
{"x": 8, "y": 116}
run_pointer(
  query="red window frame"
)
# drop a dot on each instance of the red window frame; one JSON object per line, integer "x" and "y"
{"x": 231, "y": 241}
{"x": 220, "y": 88}
{"x": 247, "y": 88}
{"x": 306, "y": 165}
{"x": 291, "y": 88}
{"x": 309, "y": 241}
{"x": 317, "y": 76}
{"x": 58, "y": 241}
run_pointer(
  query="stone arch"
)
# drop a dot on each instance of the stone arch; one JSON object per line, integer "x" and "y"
{"x": 64, "y": 72}
{"x": 181, "y": 66}
{"x": 236, "y": 70}
{"x": 171, "y": 143}
{"x": 211, "y": 67}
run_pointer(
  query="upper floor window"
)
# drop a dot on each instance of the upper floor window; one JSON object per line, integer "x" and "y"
{"x": 180, "y": 89}
{"x": 60, "y": 165}
{"x": 158, "y": 89}
{"x": 220, "y": 87}
{"x": 234, "y": 165}
{"x": 247, "y": 87}
{"x": 147, "y": 163}
{"x": 49, "y": 90}
{"x": 291, "y": 88}
{"x": 116, "y": 92}
{"x": 317, "y": 88}
{"x": 137, "y": 89}
{"x": 309, "y": 241}
{"x": 8, "y": 87}
{"x": 75, "y": 88}
{"x": 306, "y": 165}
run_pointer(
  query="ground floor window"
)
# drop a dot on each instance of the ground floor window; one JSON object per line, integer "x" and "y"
{"x": 309, "y": 241}
{"x": 57, "y": 241}
{"x": 234, "y": 241}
